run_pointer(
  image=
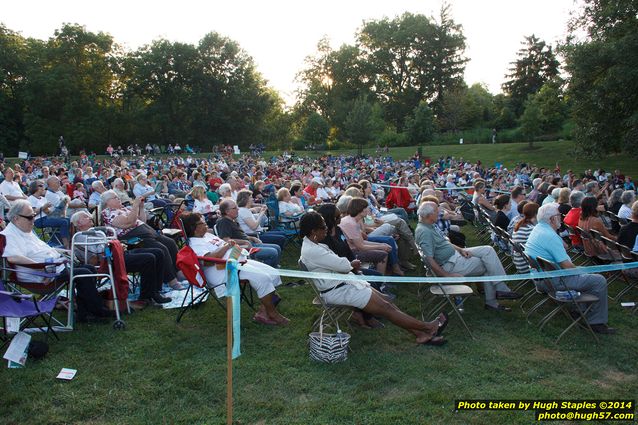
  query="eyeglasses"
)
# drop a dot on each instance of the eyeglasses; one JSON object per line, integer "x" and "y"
{"x": 28, "y": 217}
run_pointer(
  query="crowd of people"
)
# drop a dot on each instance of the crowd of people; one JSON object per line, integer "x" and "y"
{"x": 351, "y": 211}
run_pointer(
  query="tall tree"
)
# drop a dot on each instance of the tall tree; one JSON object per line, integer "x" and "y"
{"x": 13, "y": 77}
{"x": 603, "y": 87}
{"x": 536, "y": 64}
{"x": 412, "y": 58}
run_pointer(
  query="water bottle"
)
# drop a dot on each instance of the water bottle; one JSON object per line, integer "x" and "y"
{"x": 49, "y": 265}
{"x": 567, "y": 295}
{"x": 458, "y": 301}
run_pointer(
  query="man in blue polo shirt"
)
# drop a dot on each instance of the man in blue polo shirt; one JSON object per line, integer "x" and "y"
{"x": 544, "y": 242}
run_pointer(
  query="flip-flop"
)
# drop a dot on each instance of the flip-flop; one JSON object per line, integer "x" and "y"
{"x": 264, "y": 320}
{"x": 435, "y": 341}
{"x": 443, "y": 325}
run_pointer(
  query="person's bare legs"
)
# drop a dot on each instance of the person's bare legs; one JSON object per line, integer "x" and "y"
{"x": 271, "y": 311}
{"x": 378, "y": 306}
{"x": 382, "y": 266}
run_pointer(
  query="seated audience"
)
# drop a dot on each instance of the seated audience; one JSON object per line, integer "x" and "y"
{"x": 317, "y": 257}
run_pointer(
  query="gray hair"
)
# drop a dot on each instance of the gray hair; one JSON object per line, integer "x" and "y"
{"x": 576, "y": 198}
{"x": 537, "y": 182}
{"x": 76, "y": 217}
{"x": 52, "y": 178}
{"x": 555, "y": 193}
{"x": 590, "y": 186}
{"x": 96, "y": 184}
{"x": 547, "y": 211}
{"x": 628, "y": 197}
{"x": 427, "y": 208}
{"x": 615, "y": 196}
{"x": 342, "y": 203}
{"x": 105, "y": 197}
{"x": 224, "y": 188}
{"x": 117, "y": 181}
{"x": 17, "y": 208}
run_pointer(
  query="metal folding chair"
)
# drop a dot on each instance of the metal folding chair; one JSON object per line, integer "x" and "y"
{"x": 333, "y": 312}
{"x": 563, "y": 305}
{"x": 442, "y": 294}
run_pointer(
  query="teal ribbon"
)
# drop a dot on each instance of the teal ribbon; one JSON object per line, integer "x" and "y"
{"x": 449, "y": 280}
{"x": 232, "y": 291}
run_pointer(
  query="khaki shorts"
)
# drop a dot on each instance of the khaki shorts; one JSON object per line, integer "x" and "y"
{"x": 349, "y": 295}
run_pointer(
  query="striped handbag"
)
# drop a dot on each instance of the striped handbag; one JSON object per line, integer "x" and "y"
{"x": 328, "y": 348}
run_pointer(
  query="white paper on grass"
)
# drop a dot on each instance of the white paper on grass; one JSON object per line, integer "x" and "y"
{"x": 67, "y": 374}
{"x": 628, "y": 304}
{"x": 17, "y": 351}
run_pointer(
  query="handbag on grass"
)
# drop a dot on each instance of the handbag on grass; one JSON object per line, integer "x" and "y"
{"x": 328, "y": 348}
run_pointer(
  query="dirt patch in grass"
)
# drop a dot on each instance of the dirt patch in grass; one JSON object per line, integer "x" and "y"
{"x": 544, "y": 353}
{"x": 614, "y": 378}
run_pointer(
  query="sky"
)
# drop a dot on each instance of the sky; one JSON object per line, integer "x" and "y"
{"x": 280, "y": 34}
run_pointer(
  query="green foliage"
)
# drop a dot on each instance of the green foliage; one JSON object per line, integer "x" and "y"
{"x": 536, "y": 64}
{"x": 420, "y": 126}
{"x": 531, "y": 120}
{"x": 316, "y": 130}
{"x": 82, "y": 85}
{"x": 412, "y": 58}
{"x": 604, "y": 77}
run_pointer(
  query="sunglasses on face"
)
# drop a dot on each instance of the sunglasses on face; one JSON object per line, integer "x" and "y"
{"x": 28, "y": 217}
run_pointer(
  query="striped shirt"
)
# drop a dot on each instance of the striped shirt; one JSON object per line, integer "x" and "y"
{"x": 521, "y": 236}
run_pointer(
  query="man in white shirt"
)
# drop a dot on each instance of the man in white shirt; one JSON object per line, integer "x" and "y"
{"x": 9, "y": 188}
{"x": 24, "y": 247}
{"x": 56, "y": 197}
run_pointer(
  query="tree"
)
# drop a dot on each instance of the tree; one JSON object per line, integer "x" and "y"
{"x": 363, "y": 123}
{"x": 332, "y": 81}
{"x": 316, "y": 130}
{"x": 536, "y": 64}
{"x": 603, "y": 88}
{"x": 552, "y": 106}
{"x": 531, "y": 120}
{"x": 13, "y": 72}
{"x": 420, "y": 126}
{"x": 412, "y": 58}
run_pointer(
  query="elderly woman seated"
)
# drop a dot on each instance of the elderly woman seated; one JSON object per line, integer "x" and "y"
{"x": 317, "y": 257}
{"x": 263, "y": 278}
{"x": 130, "y": 222}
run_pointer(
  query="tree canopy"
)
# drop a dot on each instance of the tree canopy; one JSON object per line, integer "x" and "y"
{"x": 83, "y": 86}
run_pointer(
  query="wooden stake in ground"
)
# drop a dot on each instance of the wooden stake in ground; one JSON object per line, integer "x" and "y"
{"x": 229, "y": 360}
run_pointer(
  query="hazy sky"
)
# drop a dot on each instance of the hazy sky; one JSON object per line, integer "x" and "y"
{"x": 280, "y": 34}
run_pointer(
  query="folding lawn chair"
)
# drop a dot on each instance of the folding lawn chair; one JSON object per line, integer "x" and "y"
{"x": 568, "y": 305}
{"x": 16, "y": 279}
{"x": 192, "y": 266}
{"x": 27, "y": 309}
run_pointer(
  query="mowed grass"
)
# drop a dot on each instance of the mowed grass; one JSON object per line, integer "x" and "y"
{"x": 157, "y": 371}
{"x": 544, "y": 154}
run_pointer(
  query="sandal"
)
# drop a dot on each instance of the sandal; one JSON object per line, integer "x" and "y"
{"x": 436, "y": 341}
{"x": 264, "y": 320}
{"x": 442, "y": 325}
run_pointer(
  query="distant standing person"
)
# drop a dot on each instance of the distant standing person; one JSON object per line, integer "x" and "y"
{"x": 493, "y": 135}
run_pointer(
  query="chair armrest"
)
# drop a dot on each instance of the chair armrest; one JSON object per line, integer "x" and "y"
{"x": 17, "y": 295}
{"x": 212, "y": 260}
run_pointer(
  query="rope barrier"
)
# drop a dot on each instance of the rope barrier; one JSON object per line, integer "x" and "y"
{"x": 450, "y": 280}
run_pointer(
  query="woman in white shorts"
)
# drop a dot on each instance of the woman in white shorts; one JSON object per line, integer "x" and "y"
{"x": 317, "y": 257}
{"x": 263, "y": 278}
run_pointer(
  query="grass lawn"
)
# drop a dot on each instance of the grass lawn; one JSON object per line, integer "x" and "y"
{"x": 544, "y": 154}
{"x": 157, "y": 371}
